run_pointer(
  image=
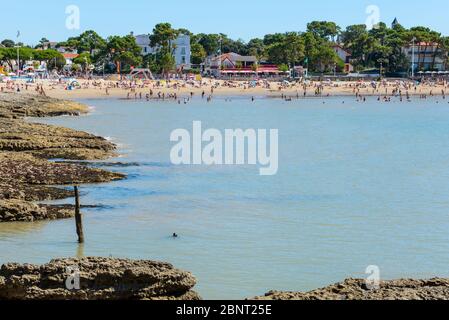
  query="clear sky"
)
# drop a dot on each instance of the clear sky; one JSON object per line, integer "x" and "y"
{"x": 243, "y": 19}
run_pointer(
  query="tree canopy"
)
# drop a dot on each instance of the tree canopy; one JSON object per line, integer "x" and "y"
{"x": 8, "y": 43}
{"x": 382, "y": 46}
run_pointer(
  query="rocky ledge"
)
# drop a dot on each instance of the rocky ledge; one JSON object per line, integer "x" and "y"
{"x": 99, "y": 279}
{"x": 26, "y": 175}
{"x": 16, "y": 106}
{"x": 356, "y": 289}
{"x": 47, "y": 141}
{"x": 23, "y": 211}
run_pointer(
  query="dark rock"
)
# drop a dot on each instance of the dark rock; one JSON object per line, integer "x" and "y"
{"x": 100, "y": 279}
{"x": 26, "y": 174}
{"x": 356, "y": 289}
{"x": 14, "y": 106}
{"x": 23, "y": 211}
{"x": 24, "y": 168}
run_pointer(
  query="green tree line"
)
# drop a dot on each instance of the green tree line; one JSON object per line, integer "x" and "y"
{"x": 380, "y": 46}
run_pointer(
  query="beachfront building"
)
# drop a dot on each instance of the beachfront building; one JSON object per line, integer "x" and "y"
{"x": 55, "y": 46}
{"x": 69, "y": 60}
{"x": 228, "y": 63}
{"x": 429, "y": 56}
{"x": 181, "y": 52}
{"x": 345, "y": 56}
{"x": 232, "y": 65}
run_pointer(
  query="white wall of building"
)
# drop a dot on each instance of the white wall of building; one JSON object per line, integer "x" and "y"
{"x": 426, "y": 57}
{"x": 182, "y": 52}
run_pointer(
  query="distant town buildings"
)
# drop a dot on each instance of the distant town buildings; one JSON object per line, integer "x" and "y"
{"x": 181, "y": 49}
{"x": 143, "y": 41}
{"x": 345, "y": 56}
{"x": 215, "y": 65}
{"x": 69, "y": 59}
{"x": 429, "y": 56}
{"x": 233, "y": 64}
{"x": 49, "y": 45}
{"x": 54, "y": 46}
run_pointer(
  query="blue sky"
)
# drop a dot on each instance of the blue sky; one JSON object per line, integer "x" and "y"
{"x": 243, "y": 19}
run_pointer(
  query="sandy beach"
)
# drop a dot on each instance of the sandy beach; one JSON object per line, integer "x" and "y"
{"x": 208, "y": 88}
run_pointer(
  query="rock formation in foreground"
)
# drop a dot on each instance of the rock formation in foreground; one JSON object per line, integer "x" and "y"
{"x": 99, "y": 279}
{"x": 26, "y": 175}
{"x": 355, "y": 289}
{"x": 16, "y": 106}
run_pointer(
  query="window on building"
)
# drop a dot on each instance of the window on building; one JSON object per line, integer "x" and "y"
{"x": 183, "y": 51}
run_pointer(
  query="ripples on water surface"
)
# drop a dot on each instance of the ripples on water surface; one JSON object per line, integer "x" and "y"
{"x": 358, "y": 184}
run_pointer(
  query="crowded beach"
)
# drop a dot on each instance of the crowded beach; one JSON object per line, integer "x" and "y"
{"x": 208, "y": 88}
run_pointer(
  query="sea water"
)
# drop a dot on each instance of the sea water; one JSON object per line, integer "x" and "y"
{"x": 358, "y": 184}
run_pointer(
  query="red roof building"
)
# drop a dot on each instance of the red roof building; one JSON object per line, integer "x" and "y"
{"x": 70, "y": 56}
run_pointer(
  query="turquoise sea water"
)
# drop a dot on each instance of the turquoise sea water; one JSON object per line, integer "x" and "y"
{"x": 359, "y": 184}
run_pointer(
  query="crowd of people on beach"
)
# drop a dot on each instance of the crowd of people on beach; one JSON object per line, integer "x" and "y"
{"x": 182, "y": 91}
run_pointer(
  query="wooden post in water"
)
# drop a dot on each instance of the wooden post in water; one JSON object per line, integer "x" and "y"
{"x": 78, "y": 217}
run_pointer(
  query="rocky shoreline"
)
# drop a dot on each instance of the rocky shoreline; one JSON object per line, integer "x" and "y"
{"x": 98, "y": 279}
{"x": 26, "y": 174}
{"x": 356, "y": 289}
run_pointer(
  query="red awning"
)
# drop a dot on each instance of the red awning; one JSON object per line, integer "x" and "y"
{"x": 268, "y": 70}
{"x": 236, "y": 71}
{"x": 261, "y": 69}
